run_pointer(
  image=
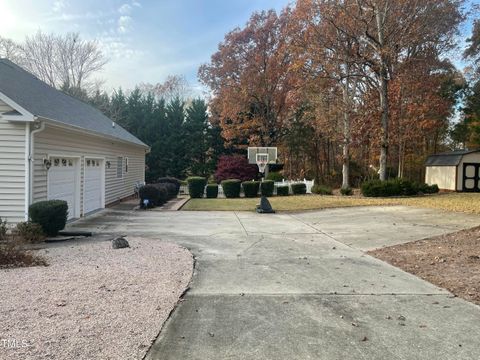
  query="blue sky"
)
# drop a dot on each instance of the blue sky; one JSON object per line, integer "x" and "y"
{"x": 145, "y": 40}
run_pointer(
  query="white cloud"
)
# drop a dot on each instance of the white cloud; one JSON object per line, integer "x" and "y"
{"x": 125, "y": 9}
{"x": 124, "y": 24}
{"x": 59, "y": 5}
{"x": 118, "y": 49}
{"x": 67, "y": 17}
{"x": 136, "y": 3}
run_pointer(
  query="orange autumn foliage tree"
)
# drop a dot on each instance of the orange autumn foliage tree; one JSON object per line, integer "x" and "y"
{"x": 252, "y": 84}
{"x": 386, "y": 33}
{"x": 422, "y": 101}
{"x": 339, "y": 85}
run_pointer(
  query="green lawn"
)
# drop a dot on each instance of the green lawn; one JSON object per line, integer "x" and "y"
{"x": 460, "y": 202}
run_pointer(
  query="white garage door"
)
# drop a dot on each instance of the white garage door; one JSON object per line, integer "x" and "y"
{"x": 62, "y": 182}
{"x": 93, "y": 185}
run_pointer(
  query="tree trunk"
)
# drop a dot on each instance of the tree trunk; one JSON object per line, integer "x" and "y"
{"x": 346, "y": 139}
{"x": 401, "y": 158}
{"x": 383, "y": 97}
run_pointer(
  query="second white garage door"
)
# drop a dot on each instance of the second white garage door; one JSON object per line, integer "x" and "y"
{"x": 93, "y": 188}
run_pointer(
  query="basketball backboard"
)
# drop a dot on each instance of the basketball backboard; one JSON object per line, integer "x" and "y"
{"x": 267, "y": 153}
{"x": 262, "y": 156}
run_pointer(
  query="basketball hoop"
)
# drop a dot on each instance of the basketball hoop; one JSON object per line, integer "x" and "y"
{"x": 262, "y": 156}
{"x": 262, "y": 161}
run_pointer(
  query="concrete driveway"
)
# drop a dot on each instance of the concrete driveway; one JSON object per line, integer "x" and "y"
{"x": 298, "y": 286}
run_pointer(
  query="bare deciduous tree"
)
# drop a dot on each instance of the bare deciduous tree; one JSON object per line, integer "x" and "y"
{"x": 10, "y": 50}
{"x": 62, "y": 61}
{"x": 175, "y": 86}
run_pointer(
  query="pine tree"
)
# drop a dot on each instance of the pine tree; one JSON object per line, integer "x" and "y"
{"x": 195, "y": 129}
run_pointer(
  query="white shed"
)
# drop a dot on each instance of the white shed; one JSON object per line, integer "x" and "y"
{"x": 455, "y": 170}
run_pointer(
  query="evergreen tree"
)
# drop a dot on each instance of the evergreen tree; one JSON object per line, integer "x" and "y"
{"x": 175, "y": 143}
{"x": 118, "y": 108}
{"x": 181, "y": 139}
{"x": 195, "y": 129}
{"x": 101, "y": 101}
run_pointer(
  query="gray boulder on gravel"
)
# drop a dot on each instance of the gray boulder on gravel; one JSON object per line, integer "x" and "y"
{"x": 120, "y": 243}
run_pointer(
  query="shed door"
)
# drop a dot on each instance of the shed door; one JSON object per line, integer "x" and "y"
{"x": 471, "y": 177}
{"x": 62, "y": 182}
{"x": 93, "y": 185}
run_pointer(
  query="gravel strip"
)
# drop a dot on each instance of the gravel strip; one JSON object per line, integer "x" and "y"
{"x": 92, "y": 302}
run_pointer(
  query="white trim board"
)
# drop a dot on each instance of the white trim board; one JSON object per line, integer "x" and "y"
{"x": 26, "y": 115}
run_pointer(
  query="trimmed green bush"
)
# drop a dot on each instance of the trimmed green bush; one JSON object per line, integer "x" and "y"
{"x": 347, "y": 191}
{"x": 30, "y": 232}
{"x": 299, "y": 189}
{"x": 428, "y": 189}
{"x": 196, "y": 186}
{"x": 395, "y": 187}
{"x": 267, "y": 187}
{"x": 231, "y": 188}
{"x": 377, "y": 188}
{"x": 407, "y": 187}
{"x": 167, "y": 191}
{"x": 212, "y": 191}
{"x": 152, "y": 195}
{"x": 250, "y": 188}
{"x": 321, "y": 189}
{"x": 282, "y": 190}
{"x": 171, "y": 180}
{"x": 51, "y": 215}
{"x": 274, "y": 176}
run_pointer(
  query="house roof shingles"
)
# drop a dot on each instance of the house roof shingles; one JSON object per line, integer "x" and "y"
{"x": 451, "y": 158}
{"x": 49, "y": 103}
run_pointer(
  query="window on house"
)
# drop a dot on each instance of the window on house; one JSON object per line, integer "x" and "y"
{"x": 126, "y": 165}
{"x": 119, "y": 167}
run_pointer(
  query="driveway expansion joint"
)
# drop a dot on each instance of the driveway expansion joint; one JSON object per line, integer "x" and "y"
{"x": 447, "y": 295}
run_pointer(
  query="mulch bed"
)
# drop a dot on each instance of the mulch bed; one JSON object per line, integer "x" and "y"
{"x": 450, "y": 261}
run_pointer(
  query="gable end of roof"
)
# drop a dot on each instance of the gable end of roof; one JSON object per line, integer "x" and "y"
{"x": 46, "y": 102}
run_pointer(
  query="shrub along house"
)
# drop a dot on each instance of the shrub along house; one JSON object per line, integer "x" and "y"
{"x": 53, "y": 146}
{"x": 455, "y": 170}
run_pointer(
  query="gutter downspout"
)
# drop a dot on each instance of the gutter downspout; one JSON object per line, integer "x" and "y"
{"x": 27, "y": 170}
{"x": 31, "y": 160}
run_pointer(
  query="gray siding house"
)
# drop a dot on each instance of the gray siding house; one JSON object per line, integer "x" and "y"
{"x": 53, "y": 146}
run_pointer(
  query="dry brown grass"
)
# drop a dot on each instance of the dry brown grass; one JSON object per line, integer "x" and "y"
{"x": 459, "y": 202}
{"x": 14, "y": 255}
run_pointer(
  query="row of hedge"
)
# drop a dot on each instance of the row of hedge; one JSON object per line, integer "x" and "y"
{"x": 49, "y": 217}
{"x": 396, "y": 187}
{"x": 152, "y": 195}
{"x": 197, "y": 186}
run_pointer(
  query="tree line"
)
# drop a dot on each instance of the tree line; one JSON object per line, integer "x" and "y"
{"x": 177, "y": 128}
{"x": 347, "y": 89}
{"x": 182, "y": 140}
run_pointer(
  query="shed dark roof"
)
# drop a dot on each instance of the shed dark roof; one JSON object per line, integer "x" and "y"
{"x": 47, "y": 102}
{"x": 451, "y": 158}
